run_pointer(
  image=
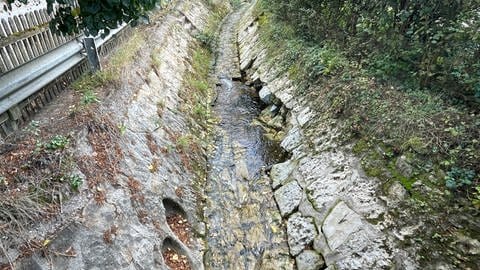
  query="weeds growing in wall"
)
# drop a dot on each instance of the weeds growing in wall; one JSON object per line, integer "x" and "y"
{"x": 39, "y": 168}
{"x": 425, "y": 139}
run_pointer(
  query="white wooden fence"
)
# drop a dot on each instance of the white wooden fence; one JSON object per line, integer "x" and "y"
{"x": 25, "y": 36}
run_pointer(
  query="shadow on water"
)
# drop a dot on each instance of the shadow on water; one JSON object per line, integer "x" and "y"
{"x": 243, "y": 223}
{"x": 238, "y": 105}
{"x": 242, "y": 211}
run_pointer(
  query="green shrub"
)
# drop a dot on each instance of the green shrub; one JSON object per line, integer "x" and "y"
{"x": 476, "y": 197}
{"x": 57, "y": 142}
{"x": 457, "y": 178}
{"x": 75, "y": 182}
{"x": 429, "y": 44}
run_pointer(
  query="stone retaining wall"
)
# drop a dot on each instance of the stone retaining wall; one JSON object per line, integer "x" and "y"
{"x": 333, "y": 212}
{"x": 129, "y": 229}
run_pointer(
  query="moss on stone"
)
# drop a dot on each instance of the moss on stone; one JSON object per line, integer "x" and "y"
{"x": 360, "y": 146}
{"x": 396, "y": 175}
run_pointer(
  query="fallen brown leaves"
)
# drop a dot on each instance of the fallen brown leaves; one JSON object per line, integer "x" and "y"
{"x": 179, "y": 191}
{"x": 100, "y": 196}
{"x": 152, "y": 144}
{"x": 135, "y": 187}
{"x": 69, "y": 252}
{"x": 176, "y": 261}
{"x": 109, "y": 234}
{"x": 180, "y": 226}
{"x": 29, "y": 247}
{"x": 102, "y": 165}
{"x": 5, "y": 267}
{"x": 142, "y": 215}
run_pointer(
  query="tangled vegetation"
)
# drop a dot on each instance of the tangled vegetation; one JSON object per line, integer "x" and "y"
{"x": 403, "y": 75}
{"x": 432, "y": 45}
{"x": 401, "y": 82}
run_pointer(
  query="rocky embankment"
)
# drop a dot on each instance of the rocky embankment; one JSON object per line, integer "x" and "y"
{"x": 334, "y": 214}
{"x": 147, "y": 179}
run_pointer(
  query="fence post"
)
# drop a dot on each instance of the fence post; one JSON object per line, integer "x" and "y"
{"x": 15, "y": 114}
{"x": 92, "y": 53}
{"x": 4, "y": 131}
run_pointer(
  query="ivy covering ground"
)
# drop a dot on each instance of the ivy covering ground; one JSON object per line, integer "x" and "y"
{"x": 401, "y": 75}
{"x": 402, "y": 81}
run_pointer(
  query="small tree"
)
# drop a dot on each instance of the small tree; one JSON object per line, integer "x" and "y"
{"x": 93, "y": 16}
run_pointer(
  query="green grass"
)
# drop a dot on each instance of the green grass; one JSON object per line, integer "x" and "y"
{"x": 201, "y": 60}
{"x": 89, "y": 84}
{"x": 208, "y": 36}
{"x": 89, "y": 97}
{"x": 183, "y": 142}
{"x": 198, "y": 84}
{"x": 126, "y": 53}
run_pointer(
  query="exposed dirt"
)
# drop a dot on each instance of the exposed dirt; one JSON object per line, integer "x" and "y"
{"x": 176, "y": 261}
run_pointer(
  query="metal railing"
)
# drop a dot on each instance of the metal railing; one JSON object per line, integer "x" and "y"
{"x": 38, "y": 65}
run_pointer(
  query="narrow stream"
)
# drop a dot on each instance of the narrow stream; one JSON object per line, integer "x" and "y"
{"x": 244, "y": 226}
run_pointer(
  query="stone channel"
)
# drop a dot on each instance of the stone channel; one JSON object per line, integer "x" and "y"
{"x": 244, "y": 229}
{"x": 308, "y": 208}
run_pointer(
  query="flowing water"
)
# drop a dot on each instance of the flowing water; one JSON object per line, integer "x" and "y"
{"x": 244, "y": 227}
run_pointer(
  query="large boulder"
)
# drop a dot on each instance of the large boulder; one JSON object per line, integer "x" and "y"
{"x": 340, "y": 224}
{"x": 403, "y": 166}
{"x": 280, "y": 173}
{"x": 267, "y": 96}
